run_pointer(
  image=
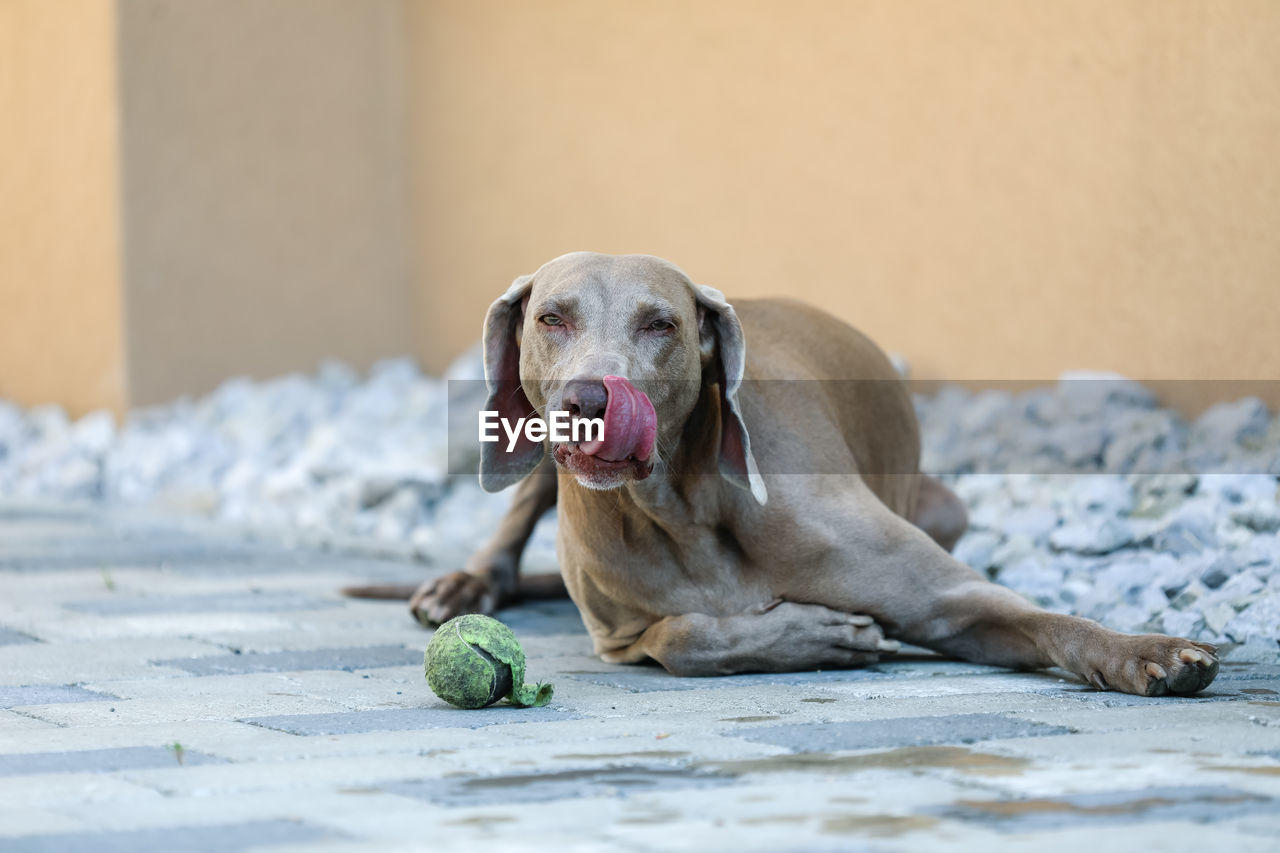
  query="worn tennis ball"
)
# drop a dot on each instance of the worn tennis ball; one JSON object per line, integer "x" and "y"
{"x": 473, "y": 661}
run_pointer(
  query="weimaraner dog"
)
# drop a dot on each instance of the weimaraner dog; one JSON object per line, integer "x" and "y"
{"x": 726, "y": 523}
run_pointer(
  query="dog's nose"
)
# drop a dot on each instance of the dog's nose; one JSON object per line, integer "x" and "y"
{"x": 585, "y": 398}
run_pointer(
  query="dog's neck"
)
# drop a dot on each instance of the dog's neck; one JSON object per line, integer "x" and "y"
{"x": 685, "y": 486}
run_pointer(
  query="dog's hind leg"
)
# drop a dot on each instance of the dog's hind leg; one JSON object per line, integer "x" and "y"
{"x": 922, "y": 595}
{"x": 940, "y": 513}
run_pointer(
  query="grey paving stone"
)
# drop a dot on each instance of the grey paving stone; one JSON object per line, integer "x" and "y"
{"x": 708, "y": 764}
{"x": 560, "y": 785}
{"x": 179, "y": 839}
{"x": 902, "y": 731}
{"x": 1222, "y": 690}
{"x": 345, "y": 660}
{"x": 239, "y": 602}
{"x": 1198, "y": 804}
{"x": 18, "y": 513}
{"x": 115, "y": 554}
{"x": 51, "y": 694}
{"x": 1231, "y": 672}
{"x": 652, "y": 679}
{"x": 406, "y": 719}
{"x": 308, "y": 562}
{"x": 646, "y": 679}
{"x": 543, "y": 618}
{"x": 183, "y": 553}
{"x": 101, "y": 760}
{"x": 13, "y": 638}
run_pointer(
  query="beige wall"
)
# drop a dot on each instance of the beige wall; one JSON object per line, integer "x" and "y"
{"x": 196, "y": 189}
{"x": 997, "y": 189}
{"x": 266, "y": 188}
{"x": 60, "y": 318}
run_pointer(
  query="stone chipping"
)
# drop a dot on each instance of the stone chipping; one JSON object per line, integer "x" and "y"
{"x": 1085, "y": 496}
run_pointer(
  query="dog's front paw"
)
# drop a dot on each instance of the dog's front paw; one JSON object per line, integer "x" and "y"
{"x": 454, "y": 594}
{"x": 812, "y": 636}
{"x": 1156, "y": 665}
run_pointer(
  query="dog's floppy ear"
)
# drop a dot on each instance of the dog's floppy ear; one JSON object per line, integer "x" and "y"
{"x": 499, "y": 468}
{"x": 725, "y": 353}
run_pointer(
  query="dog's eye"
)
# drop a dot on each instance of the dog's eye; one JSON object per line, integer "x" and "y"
{"x": 550, "y": 320}
{"x": 661, "y": 326}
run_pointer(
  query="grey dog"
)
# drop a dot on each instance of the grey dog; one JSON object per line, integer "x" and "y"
{"x": 678, "y": 546}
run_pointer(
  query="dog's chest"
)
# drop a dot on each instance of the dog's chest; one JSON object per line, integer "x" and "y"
{"x": 632, "y": 565}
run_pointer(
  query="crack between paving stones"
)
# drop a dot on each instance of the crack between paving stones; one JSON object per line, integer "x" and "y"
{"x": 31, "y": 716}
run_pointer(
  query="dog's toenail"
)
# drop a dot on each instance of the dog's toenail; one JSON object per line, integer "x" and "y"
{"x": 1155, "y": 670}
{"x": 1098, "y": 681}
{"x": 1190, "y": 656}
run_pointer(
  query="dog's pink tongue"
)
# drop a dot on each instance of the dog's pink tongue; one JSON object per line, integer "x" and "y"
{"x": 630, "y": 424}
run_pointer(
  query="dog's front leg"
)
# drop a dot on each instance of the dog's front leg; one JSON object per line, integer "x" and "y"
{"x": 492, "y": 575}
{"x": 782, "y": 636}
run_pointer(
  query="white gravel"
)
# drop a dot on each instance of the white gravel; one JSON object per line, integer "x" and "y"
{"x": 1089, "y": 499}
{"x": 1086, "y": 497}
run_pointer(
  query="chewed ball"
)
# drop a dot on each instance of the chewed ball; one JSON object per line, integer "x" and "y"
{"x": 473, "y": 661}
{"x": 464, "y": 674}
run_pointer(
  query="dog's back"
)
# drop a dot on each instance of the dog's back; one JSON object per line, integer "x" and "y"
{"x": 804, "y": 365}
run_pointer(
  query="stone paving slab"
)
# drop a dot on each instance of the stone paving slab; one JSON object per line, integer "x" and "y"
{"x": 38, "y": 822}
{"x": 107, "y": 553}
{"x": 645, "y": 679}
{"x": 1190, "y": 803}
{"x": 1226, "y": 692}
{"x": 544, "y": 618}
{"x": 232, "y": 739}
{"x": 65, "y": 793}
{"x": 405, "y": 719}
{"x": 346, "y": 660}
{"x": 545, "y": 787}
{"x": 78, "y": 659}
{"x": 18, "y": 723}
{"x": 204, "y": 839}
{"x": 1233, "y": 672}
{"x": 186, "y": 701}
{"x": 303, "y": 778}
{"x": 41, "y": 694}
{"x": 101, "y": 760}
{"x": 333, "y": 810}
{"x": 304, "y": 723}
{"x": 250, "y": 602}
{"x": 297, "y": 633}
{"x": 13, "y": 638}
{"x": 912, "y": 731}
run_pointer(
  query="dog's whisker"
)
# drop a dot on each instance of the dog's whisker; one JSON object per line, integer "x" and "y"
{"x": 660, "y": 453}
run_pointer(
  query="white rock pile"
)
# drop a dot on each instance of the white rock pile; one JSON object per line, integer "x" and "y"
{"x": 1087, "y": 497}
{"x": 345, "y": 459}
{"x": 1090, "y": 499}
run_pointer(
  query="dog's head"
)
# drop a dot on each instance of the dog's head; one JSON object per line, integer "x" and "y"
{"x": 629, "y": 340}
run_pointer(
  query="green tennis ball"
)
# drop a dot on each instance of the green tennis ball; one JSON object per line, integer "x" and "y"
{"x": 473, "y": 661}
